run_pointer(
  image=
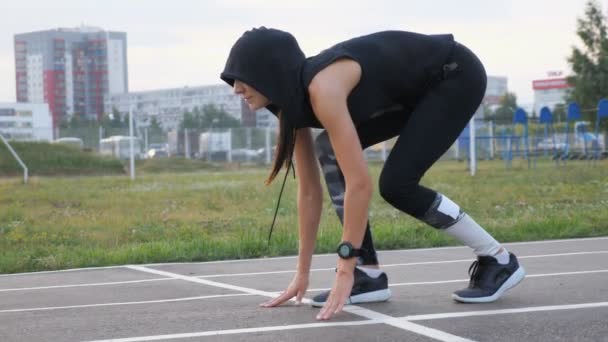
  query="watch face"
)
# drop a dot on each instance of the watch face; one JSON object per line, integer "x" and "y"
{"x": 344, "y": 250}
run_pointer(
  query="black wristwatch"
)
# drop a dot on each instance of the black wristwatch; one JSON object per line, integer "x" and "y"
{"x": 347, "y": 251}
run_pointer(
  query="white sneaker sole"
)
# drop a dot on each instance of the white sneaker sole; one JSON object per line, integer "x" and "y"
{"x": 369, "y": 297}
{"x": 513, "y": 280}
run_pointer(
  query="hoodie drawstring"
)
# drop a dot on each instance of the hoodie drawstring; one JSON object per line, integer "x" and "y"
{"x": 276, "y": 211}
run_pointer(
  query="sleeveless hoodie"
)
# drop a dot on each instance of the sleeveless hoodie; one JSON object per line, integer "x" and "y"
{"x": 397, "y": 69}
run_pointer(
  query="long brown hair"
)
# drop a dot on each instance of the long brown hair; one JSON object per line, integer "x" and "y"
{"x": 286, "y": 139}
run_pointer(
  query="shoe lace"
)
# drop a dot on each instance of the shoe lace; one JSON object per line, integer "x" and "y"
{"x": 474, "y": 272}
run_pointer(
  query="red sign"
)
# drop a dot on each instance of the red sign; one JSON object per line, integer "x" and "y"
{"x": 555, "y": 83}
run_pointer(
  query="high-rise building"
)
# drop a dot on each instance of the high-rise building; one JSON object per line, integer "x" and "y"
{"x": 70, "y": 69}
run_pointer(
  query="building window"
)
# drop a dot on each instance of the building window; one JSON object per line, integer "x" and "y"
{"x": 7, "y": 112}
{"x": 24, "y": 113}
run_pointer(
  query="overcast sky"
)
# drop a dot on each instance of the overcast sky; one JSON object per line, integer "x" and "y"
{"x": 180, "y": 43}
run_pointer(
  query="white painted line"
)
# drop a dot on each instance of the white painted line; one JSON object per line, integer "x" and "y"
{"x": 405, "y": 325}
{"x": 295, "y": 256}
{"x": 124, "y": 303}
{"x": 429, "y": 332}
{"x": 439, "y": 282}
{"x": 317, "y": 270}
{"x": 523, "y": 243}
{"x": 420, "y": 263}
{"x": 401, "y": 322}
{"x": 202, "y": 281}
{"x": 61, "y": 271}
{"x": 260, "y": 273}
{"x": 505, "y": 311}
{"x": 239, "y": 331}
{"x": 565, "y": 273}
{"x": 84, "y": 285}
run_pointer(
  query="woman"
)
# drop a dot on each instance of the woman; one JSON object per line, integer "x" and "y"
{"x": 421, "y": 88}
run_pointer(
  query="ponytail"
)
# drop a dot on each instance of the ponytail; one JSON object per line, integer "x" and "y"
{"x": 285, "y": 147}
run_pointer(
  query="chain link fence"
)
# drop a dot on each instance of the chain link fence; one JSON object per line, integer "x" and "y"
{"x": 492, "y": 140}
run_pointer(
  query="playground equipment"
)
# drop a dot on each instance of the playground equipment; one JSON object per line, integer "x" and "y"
{"x": 520, "y": 117}
{"x": 546, "y": 119}
{"x": 602, "y": 112}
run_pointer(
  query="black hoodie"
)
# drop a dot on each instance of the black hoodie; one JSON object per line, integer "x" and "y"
{"x": 397, "y": 69}
{"x": 271, "y": 62}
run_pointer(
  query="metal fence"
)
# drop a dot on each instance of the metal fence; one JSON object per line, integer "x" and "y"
{"x": 256, "y": 145}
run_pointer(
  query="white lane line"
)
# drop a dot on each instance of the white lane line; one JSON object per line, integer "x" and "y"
{"x": 295, "y": 256}
{"x": 405, "y": 325}
{"x": 420, "y": 263}
{"x": 312, "y": 270}
{"x": 412, "y": 327}
{"x": 379, "y": 318}
{"x": 239, "y": 331}
{"x": 505, "y": 311}
{"x": 439, "y": 282}
{"x": 62, "y": 271}
{"x": 125, "y": 303}
{"x": 84, "y": 285}
{"x": 201, "y": 281}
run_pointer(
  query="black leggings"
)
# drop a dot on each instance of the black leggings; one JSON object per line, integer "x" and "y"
{"x": 425, "y": 133}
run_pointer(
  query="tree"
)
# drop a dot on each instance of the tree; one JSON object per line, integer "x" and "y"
{"x": 559, "y": 113}
{"x": 155, "y": 125}
{"x": 105, "y": 122}
{"x": 508, "y": 105}
{"x": 217, "y": 117}
{"x": 590, "y": 64}
{"x": 117, "y": 119}
{"x": 209, "y": 116}
{"x": 188, "y": 121}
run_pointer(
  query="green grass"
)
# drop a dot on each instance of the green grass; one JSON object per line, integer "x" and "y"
{"x": 43, "y": 158}
{"x": 66, "y": 222}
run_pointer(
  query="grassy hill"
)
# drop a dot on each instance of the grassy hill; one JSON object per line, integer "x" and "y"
{"x": 46, "y": 159}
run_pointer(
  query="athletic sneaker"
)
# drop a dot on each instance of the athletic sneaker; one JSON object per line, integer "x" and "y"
{"x": 490, "y": 280}
{"x": 365, "y": 290}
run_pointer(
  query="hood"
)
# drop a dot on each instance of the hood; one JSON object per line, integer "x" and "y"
{"x": 271, "y": 61}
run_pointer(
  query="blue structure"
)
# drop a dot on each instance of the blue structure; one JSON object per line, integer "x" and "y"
{"x": 602, "y": 112}
{"x": 520, "y": 117}
{"x": 574, "y": 114}
{"x": 546, "y": 118}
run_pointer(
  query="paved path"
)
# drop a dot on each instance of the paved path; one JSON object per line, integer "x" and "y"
{"x": 563, "y": 298}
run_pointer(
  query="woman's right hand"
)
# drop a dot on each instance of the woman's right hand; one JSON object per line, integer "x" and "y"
{"x": 297, "y": 288}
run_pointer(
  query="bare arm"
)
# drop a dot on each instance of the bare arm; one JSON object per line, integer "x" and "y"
{"x": 310, "y": 197}
{"x": 329, "y": 91}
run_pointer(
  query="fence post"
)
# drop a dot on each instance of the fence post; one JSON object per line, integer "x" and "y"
{"x": 230, "y": 146}
{"x": 100, "y": 138}
{"x": 472, "y": 155}
{"x": 267, "y": 145}
{"x": 492, "y": 143}
{"x": 10, "y": 148}
{"x": 186, "y": 144}
{"x": 131, "y": 142}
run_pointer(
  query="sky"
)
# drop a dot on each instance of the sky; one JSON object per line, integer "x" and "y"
{"x": 181, "y": 43}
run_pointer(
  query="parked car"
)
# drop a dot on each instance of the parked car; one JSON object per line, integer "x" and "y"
{"x": 547, "y": 144}
{"x": 244, "y": 154}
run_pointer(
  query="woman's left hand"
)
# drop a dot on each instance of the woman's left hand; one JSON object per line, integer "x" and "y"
{"x": 343, "y": 285}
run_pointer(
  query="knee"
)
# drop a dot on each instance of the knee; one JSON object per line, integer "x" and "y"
{"x": 397, "y": 190}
